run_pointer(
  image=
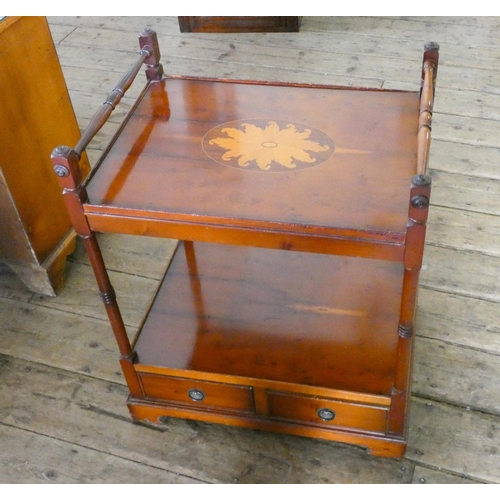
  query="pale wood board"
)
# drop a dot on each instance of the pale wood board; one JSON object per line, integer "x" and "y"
{"x": 80, "y": 296}
{"x": 459, "y": 319}
{"x": 465, "y": 159}
{"x": 62, "y": 389}
{"x": 380, "y": 62}
{"x": 463, "y": 230}
{"x": 475, "y": 31}
{"x": 462, "y": 377}
{"x": 69, "y": 341}
{"x": 126, "y": 253}
{"x": 11, "y": 287}
{"x": 67, "y": 406}
{"x": 455, "y": 439}
{"x": 461, "y": 272}
{"x": 424, "y": 476}
{"x": 29, "y": 457}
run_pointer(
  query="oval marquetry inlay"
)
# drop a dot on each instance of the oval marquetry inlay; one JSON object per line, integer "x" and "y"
{"x": 267, "y": 145}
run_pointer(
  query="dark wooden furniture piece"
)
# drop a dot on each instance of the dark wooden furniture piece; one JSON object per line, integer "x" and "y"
{"x": 238, "y": 24}
{"x": 36, "y": 233}
{"x": 289, "y": 304}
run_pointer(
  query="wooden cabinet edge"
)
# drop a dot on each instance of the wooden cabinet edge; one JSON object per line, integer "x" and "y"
{"x": 48, "y": 278}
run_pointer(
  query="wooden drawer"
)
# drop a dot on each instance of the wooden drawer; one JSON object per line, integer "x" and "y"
{"x": 197, "y": 393}
{"x": 327, "y": 412}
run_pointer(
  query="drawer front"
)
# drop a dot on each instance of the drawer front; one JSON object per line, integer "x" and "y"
{"x": 327, "y": 412}
{"x": 197, "y": 393}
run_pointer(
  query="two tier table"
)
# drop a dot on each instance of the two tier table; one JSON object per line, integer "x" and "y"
{"x": 300, "y": 211}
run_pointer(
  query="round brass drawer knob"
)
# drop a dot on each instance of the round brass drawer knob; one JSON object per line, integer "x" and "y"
{"x": 196, "y": 394}
{"x": 326, "y": 414}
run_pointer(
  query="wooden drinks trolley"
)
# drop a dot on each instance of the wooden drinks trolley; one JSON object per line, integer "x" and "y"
{"x": 289, "y": 303}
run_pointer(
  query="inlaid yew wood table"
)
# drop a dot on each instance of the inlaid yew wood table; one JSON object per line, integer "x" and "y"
{"x": 300, "y": 212}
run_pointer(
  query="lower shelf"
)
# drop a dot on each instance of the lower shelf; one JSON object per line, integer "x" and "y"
{"x": 311, "y": 319}
{"x": 284, "y": 341}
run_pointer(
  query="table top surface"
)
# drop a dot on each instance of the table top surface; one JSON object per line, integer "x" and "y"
{"x": 296, "y": 155}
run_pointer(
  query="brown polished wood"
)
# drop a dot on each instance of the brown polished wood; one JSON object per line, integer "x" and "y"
{"x": 429, "y": 73}
{"x": 361, "y": 186}
{"x": 289, "y": 303}
{"x": 238, "y": 24}
{"x": 148, "y": 40}
{"x": 36, "y": 112}
{"x": 309, "y": 319}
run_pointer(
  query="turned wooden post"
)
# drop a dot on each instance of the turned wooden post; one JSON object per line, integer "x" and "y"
{"x": 65, "y": 161}
{"x": 148, "y": 40}
{"x": 414, "y": 244}
{"x": 427, "y": 91}
{"x": 66, "y": 166}
{"x": 414, "y": 250}
{"x": 149, "y": 55}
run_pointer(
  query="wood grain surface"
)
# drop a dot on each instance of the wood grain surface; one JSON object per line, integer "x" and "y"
{"x": 60, "y": 372}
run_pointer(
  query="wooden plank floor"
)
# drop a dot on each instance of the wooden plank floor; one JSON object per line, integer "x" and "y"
{"x": 63, "y": 417}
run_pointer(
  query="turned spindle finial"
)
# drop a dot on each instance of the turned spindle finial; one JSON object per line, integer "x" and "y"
{"x": 148, "y": 39}
{"x": 146, "y": 32}
{"x": 431, "y": 46}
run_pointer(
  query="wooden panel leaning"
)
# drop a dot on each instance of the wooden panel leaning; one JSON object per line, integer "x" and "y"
{"x": 230, "y": 338}
{"x": 36, "y": 232}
